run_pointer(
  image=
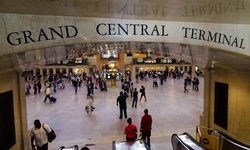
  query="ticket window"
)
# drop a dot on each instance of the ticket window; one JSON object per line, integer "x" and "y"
{"x": 57, "y": 71}
{"x": 117, "y": 76}
{"x": 176, "y": 68}
{"x": 108, "y": 76}
{"x": 190, "y": 68}
{"x": 70, "y": 70}
{"x": 136, "y": 69}
{"x": 186, "y": 68}
{"x": 181, "y": 68}
{"x": 91, "y": 70}
{"x": 37, "y": 71}
{"x": 64, "y": 71}
{"x": 50, "y": 71}
{"x": 44, "y": 72}
{"x": 105, "y": 76}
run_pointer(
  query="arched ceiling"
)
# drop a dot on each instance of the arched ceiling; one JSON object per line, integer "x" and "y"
{"x": 209, "y": 11}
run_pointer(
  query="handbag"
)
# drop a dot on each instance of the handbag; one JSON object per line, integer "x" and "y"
{"x": 136, "y": 136}
{"x": 51, "y": 136}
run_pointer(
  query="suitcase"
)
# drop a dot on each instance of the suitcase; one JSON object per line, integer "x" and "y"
{"x": 52, "y": 99}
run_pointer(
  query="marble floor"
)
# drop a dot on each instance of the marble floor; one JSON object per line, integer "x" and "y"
{"x": 172, "y": 110}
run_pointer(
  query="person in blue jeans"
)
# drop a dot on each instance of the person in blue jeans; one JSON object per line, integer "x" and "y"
{"x": 75, "y": 84}
{"x": 121, "y": 100}
{"x": 135, "y": 98}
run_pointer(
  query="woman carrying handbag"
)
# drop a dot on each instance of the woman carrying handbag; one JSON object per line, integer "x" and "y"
{"x": 130, "y": 131}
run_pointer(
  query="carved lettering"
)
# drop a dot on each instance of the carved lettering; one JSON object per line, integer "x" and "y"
{"x": 130, "y": 29}
{"x": 216, "y": 8}
{"x": 25, "y": 37}
{"x": 131, "y": 9}
{"x": 12, "y": 40}
{"x": 216, "y": 37}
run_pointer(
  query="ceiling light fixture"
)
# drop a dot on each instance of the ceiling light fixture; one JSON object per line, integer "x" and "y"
{"x": 182, "y": 62}
{"x": 27, "y": 73}
{"x": 212, "y": 69}
{"x": 148, "y": 58}
{"x": 111, "y": 59}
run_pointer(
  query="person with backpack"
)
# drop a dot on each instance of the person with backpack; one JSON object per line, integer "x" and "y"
{"x": 39, "y": 135}
{"x": 143, "y": 93}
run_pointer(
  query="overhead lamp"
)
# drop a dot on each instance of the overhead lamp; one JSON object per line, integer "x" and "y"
{"x": 212, "y": 69}
{"x": 111, "y": 59}
{"x": 148, "y": 59}
{"x": 182, "y": 62}
{"x": 27, "y": 73}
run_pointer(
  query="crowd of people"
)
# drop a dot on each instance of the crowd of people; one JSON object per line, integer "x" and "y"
{"x": 95, "y": 82}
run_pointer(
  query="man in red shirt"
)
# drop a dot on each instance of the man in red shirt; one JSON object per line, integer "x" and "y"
{"x": 146, "y": 126}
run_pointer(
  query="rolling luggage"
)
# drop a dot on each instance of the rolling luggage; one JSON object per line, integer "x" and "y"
{"x": 52, "y": 99}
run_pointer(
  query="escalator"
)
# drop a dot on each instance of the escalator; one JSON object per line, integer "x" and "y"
{"x": 75, "y": 147}
{"x": 185, "y": 142}
{"x": 229, "y": 143}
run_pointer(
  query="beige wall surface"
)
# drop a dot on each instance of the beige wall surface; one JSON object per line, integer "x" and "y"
{"x": 238, "y": 103}
{"x": 12, "y": 82}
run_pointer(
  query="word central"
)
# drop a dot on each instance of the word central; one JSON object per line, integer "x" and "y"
{"x": 130, "y": 29}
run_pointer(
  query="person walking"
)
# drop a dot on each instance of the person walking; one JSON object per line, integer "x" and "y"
{"x": 75, "y": 84}
{"x": 47, "y": 92}
{"x": 131, "y": 89}
{"x": 39, "y": 135}
{"x": 185, "y": 85}
{"x": 155, "y": 84}
{"x": 104, "y": 84}
{"x": 35, "y": 87}
{"x": 27, "y": 86}
{"x": 39, "y": 85}
{"x": 197, "y": 84}
{"x": 146, "y": 126}
{"x": 143, "y": 93}
{"x": 194, "y": 83}
{"x": 54, "y": 84}
{"x": 121, "y": 100}
{"x": 89, "y": 107}
{"x": 135, "y": 98}
{"x": 130, "y": 131}
{"x": 137, "y": 78}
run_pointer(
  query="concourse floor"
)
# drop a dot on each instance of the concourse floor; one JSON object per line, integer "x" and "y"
{"x": 172, "y": 110}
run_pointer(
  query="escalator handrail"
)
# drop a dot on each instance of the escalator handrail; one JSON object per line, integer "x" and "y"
{"x": 182, "y": 143}
{"x": 232, "y": 140}
{"x": 194, "y": 141}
